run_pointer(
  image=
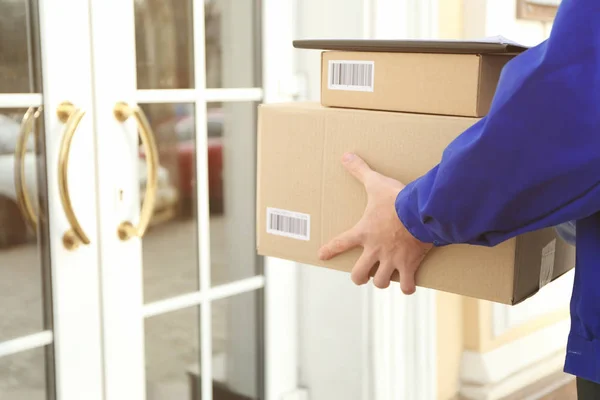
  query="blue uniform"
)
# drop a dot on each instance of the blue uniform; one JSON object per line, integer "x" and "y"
{"x": 533, "y": 162}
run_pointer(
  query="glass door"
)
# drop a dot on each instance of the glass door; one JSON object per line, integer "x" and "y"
{"x": 49, "y": 293}
{"x": 177, "y": 84}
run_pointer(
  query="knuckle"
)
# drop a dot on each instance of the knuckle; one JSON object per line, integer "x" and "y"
{"x": 408, "y": 291}
{"x": 339, "y": 245}
{"x": 358, "y": 277}
{"x": 381, "y": 283}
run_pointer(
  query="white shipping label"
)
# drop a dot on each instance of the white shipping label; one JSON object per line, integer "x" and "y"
{"x": 288, "y": 223}
{"x": 547, "y": 267}
{"x": 351, "y": 75}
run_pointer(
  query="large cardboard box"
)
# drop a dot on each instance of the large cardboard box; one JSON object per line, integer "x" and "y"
{"x": 306, "y": 197}
{"x": 442, "y": 77}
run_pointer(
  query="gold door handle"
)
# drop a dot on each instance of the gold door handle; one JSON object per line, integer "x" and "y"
{"x": 122, "y": 112}
{"x": 23, "y": 200}
{"x": 71, "y": 116}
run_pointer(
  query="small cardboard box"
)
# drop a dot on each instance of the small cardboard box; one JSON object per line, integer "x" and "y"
{"x": 306, "y": 197}
{"x": 443, "y": 77}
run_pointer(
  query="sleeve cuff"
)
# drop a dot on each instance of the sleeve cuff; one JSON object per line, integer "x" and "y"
{"x": 407, "y": 209}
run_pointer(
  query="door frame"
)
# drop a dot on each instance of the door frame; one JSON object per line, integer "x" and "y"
{"x": 75, "y": 290}
{"x": 122, "y": 333}
{"x": 72, "y": 306}
{"x": 281, "y": 291}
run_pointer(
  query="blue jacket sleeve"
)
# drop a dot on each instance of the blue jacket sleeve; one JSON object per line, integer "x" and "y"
{"x": 567, "y": 232}
{"x": 534, "y": 160}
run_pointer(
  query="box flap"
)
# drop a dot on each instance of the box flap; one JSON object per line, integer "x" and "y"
{"x": 491, "y": 45}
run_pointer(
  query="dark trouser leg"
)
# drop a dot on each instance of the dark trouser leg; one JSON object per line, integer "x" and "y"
{"x": 587, "y": 390}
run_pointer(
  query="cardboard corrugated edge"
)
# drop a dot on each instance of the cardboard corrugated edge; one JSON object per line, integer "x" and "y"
{"x": 488, "y": 79}
{"x": 258, "y": 174}
{"x": 526, "y": 279}
{"x": 324, "y": 72}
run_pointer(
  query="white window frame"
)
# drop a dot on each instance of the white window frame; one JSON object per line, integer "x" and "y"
{"x": 75, "y": 331}
{"x": 123, "y": 331}
{"x": 281, "y": 294}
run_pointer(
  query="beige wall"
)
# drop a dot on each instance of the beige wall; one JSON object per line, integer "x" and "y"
{"x": 450, "y": 19}
{"x": 466, "y": 324}
{"x": 449, "y": 343}
{"x": 477, "y": 325}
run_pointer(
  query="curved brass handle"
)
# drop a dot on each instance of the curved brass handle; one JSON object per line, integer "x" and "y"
{"x": 122, "y": 112}
{"x": 71, "y": 116}
{"x": 23, "y": 200}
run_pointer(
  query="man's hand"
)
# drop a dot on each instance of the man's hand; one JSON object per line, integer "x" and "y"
{"x": 380, "y": 232}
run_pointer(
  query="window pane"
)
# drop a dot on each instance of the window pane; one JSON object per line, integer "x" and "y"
{"x": 164, "y": 44}
{"x": 231, "y": 179}
{"x": 237, "y": 347}
{"x": 23, "y": 376}
{"x": 170, "y": 247}
{"x": 172, "y": 355}
{"x": 21, "y": 267}
{"x": 18, "y": 50}
{"x": 232, "y": 43}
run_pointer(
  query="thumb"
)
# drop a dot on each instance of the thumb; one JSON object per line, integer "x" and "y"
{"x": 356, "y": 166}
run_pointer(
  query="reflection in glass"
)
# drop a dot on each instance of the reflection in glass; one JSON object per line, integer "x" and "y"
{"x": 170, "y": 246}
{"x": 25, "y": 290}
{"x": 21, "y": 281}
{"x": 24, "y": 255}
{"x": 164, "y": 44}
{"x": 231, "y": 180}
{"x": 23, "y": 376}
{"x": 232, "y": 38}
{"x": 172, "y": 355}
{"x": 17, "y": 61}
{"x": 237, "y": 370}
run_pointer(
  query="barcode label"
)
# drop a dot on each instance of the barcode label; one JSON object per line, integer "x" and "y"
{"x": 289, "y": 224}
{"x": 352, "y": 75}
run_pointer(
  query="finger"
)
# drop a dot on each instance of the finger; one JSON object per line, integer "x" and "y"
{"x": 362, "y": 268}
{"x": 356, "y": 166}
{"x": 407, "y": 278}
{"x": 344, "y": 242}
{"x": 383, "y": 275}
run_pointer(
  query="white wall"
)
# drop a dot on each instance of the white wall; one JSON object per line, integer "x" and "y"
{"x": 332, "y": 316}
{"x": 499, "y": 17}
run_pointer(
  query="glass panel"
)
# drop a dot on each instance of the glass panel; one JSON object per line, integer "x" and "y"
{"x": 237, "y": 342}
{"x": 17, "y": 56}
{"x": 23, "y": 376}
{"x": 172, "y": 355}
{"x": 165, "y": 47}
{"x": 231, "y": 180}
{"x": 164, "y": 44}
{"x": 171, "y": 244}
{"x": 21, "y": 272}
{"x": 170, "y": 247}
{"x": 24, "y": 256}
{"x": 232, "y": 43}
{"x": 25, "y": 291}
